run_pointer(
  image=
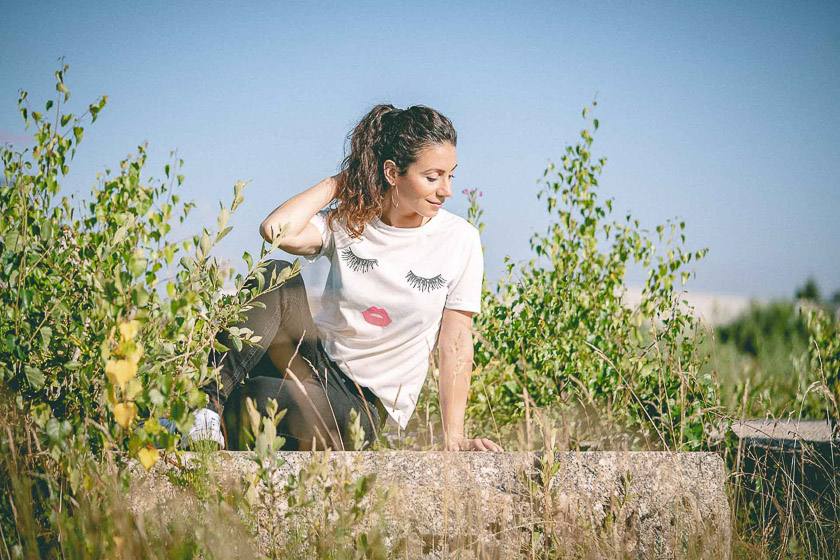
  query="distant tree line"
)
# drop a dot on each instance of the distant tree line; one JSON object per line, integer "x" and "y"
{"x": 777, "y": 322}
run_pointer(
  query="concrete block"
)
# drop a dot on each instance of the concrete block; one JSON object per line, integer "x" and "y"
{"x": 500, "y": 505}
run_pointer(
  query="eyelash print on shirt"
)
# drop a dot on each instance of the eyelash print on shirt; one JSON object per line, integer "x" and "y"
{"x": 424, "y": 284}
{"x": 358, "y": 264}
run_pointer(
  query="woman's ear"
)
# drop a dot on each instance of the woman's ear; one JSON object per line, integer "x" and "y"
{"x": 390, "y": 171}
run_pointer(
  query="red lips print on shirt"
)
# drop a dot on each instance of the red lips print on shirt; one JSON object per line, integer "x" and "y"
{"x": 376, "y": 317}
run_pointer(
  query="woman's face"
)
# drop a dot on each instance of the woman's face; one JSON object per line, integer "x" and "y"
{"x": 420, "y": 193}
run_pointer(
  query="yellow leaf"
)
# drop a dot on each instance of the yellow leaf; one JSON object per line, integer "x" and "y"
{"x": 148, "y": 457}
{"x": 120, "y": 371}
{"x": 120, "y": 542}
{"x": 124, "y": 414}
{"x": 253, "y": 414}
{"x": 128, "y": 330}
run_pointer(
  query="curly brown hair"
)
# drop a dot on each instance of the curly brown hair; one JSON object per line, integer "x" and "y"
{"x": 384, "y": 133}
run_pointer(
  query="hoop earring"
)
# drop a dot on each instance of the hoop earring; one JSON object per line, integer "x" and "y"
{"x": 394, "y": 203}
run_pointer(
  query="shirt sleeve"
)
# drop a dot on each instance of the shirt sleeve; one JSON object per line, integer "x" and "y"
{"x": 319, "y": 220}
{"x": 465, "y": 290}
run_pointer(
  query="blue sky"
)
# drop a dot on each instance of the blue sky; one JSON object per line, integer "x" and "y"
{"x": 724, "y": 116}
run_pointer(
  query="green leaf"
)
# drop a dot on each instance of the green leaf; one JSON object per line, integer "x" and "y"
{"x": 277, "y": 240}
{"x": 260, "y": 279}
{"x": 46, "y": 231}
{"x": 78, "y": 132}
{"x": 53, "y": 429}
{"x": 204, "y": 244}
{"x": 237, "y": 195}
{"x": 223, "y": 233}
{"x": 46, "y": 335}
{"x": 137, "y": 264}
{"x": 34, "y": 376}
{"x": 222, "y": 220}
{"x": 120, "y": 235}
{"x": 26, "y": 298}
{"x": 139, "y": 296}
{"x": 188, "y": 263}
{"x": 156, "y": 397}
{"x": 237, "y": 189}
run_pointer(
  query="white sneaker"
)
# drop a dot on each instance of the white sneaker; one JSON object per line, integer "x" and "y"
{"x": 207, "y": 425}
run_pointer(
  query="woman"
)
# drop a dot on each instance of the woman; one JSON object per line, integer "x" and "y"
{"x": 405, "y": 277}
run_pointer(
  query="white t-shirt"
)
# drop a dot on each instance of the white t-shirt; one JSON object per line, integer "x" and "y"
{"x": 384, "y": 299}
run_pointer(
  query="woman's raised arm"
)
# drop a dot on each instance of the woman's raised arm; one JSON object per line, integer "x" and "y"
{"x": 300, "y": 237}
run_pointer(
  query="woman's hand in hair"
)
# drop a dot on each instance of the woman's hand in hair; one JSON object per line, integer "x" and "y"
{"x": 466, "y": 444}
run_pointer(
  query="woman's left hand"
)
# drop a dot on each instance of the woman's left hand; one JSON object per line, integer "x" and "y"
{"x": 477, "y": 444}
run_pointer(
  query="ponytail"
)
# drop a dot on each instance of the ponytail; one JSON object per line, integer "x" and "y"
{"x": 384, "y": 133}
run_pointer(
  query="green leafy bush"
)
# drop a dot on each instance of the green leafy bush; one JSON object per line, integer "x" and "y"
{"x": 107, "y": 325}
{"x": 762, "y": 359}
{"x": 776, "y": 323}
{"x": 824, "y": 353}
{"x": 556, "y": 335}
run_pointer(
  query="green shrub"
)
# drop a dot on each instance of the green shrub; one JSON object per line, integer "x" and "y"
{"x": 762, "y": 359}
{"x": 824, "y": 353}
{"x": 776, "y": 323}
{"x": 556, "y": 335}
{"x": 107, "y": 325}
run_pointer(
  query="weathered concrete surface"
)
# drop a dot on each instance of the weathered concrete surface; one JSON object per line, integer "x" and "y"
{"x": 784, "y": 433}
{"x": 611, "y": 504}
